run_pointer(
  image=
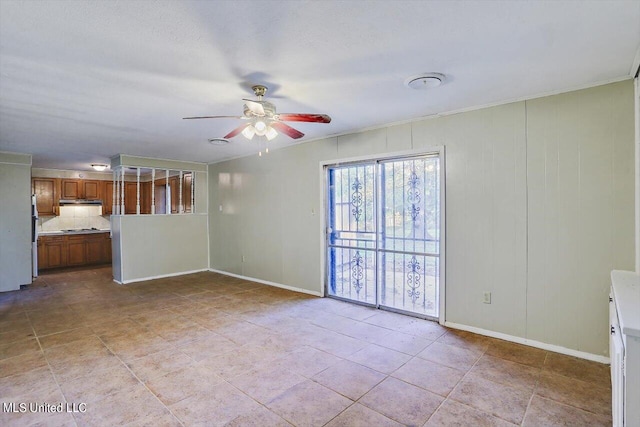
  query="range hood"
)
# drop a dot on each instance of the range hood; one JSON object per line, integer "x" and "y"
{"x": 80, "y": 202}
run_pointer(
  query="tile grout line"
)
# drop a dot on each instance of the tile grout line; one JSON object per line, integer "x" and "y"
{"x": 224, "y": 380}
{"x": 588, "y": 383}
{"x": 386, "y": 376}
{"x": 140, "y": 381}
{"x": 535, "y": 387}
{"x": 447, "y": 397}
{"x": 356, "y": 401}
{"x": 55, "y": 379}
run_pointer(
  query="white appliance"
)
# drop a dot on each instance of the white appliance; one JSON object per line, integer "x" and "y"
{"x": 34, "y": 235}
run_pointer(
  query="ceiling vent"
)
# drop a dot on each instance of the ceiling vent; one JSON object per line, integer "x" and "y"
{"x": 424, "y": 81}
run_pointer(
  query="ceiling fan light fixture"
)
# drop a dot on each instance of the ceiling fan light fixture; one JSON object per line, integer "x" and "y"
{"x": 260, "y": 127}
{"x": 249, "y": 131}
{"x": 425, "y": 81}
{"x": 99, "y": 167}
{"x": 271, "y": 133}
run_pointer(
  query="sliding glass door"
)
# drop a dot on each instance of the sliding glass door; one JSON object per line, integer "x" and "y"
{"x": 384, "y": 233}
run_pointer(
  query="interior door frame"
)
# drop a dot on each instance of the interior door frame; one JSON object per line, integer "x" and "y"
{"x": 438, "y": 150}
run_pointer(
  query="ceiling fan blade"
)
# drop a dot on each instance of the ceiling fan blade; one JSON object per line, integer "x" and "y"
{"x": 296, "y": 117}
{"x": 235, "y": 132}
{"x": 213, "y": 117}
{"x": 286, "y": 129}
{"x": 255, "y": 107}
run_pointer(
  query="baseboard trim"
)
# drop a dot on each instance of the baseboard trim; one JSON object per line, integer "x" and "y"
{"x": 531, "y": 343}
{"x": 161, "y": 276}
{"x": 267, "y": 282}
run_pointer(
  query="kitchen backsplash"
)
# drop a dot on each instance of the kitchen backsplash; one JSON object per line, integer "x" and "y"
{"x": 75, "y": 217}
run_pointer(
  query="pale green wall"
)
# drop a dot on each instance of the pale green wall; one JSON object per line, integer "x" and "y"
{"x": 539, "y": 209}
{"x": 15, "y": 221}
{"x": 149, "y": 246}
{"x": 581, "y": 211}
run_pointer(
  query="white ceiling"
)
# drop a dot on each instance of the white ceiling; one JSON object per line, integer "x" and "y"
{"x": 81, "y": 81}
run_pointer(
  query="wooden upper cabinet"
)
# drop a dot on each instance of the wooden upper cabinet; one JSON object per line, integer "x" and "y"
{"x": 186, "y": 193}
{"x": 45, "y": 191}
{"x": 107, "y": 199}
{"x": 130, "y": 197}
{"x": 175, "y": 191}
{"x": 70, "y": 189}
{"x": 73, "y": 189}
{"x": 145, "y": 197}
{"x": 91, "y": 190}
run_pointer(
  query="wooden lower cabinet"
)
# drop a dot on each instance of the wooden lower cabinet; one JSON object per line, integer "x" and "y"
{"x": 73, "y": 250}
{"x": 95, "y": 250}
{"x": 76, "y": 252}
{"x": 51, "y": 253}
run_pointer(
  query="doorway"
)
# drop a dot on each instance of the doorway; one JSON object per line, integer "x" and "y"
{"x": 385, "y": 233}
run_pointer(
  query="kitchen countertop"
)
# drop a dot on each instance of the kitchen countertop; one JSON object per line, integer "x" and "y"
{"x": 65, "y": 233}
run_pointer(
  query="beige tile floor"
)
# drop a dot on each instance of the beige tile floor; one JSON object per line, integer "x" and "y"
{"x": 207, "y": 349}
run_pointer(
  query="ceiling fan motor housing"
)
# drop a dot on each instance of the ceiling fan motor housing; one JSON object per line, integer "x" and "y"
{"x": 269, "y": 110}
{"x": 259, "y": 90}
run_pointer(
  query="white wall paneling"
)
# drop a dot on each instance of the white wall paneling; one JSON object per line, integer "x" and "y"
{"x": 539, "y": 211}
{"x": 15, "y": 221}
{"x": 152, "y": 246}
{"x": 580, "y": 175}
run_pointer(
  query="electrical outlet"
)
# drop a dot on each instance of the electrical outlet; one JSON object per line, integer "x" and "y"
{"x": 242, "y": 258}
{"x": 486, "y": 297}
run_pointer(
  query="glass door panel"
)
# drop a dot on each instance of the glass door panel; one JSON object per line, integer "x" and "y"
{"x": 383, "y": 234}
{"x": 351, "y": 234}
{"x": 409, "y": 236}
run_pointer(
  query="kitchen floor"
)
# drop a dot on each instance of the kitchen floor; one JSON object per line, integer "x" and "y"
{"x": 207, "y": 349}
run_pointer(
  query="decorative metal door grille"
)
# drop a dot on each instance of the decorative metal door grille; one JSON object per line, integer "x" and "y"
{"x": 383, "y": 236}
{"x": 352, "y": 239}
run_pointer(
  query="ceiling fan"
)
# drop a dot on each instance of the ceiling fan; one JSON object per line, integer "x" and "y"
{"x": 264, "y": 121}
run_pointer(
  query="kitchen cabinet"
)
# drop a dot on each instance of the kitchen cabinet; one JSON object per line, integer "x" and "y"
{"x": 130, "y": 197}
{"x": 91, "y": 189}
{"x": 46, "y": 195}
{"x": 49, "y": 191}
{"x": 107, "y": 200}
{"x": 73, "y": 250}
{"x": 186, "y": 193}
{"x": 130, "y": 194}
{"x": 70, "y": 189}
{"x": 174, "y": 187}
{"x": 76, "y": 250}
{"x": 96, "y": 248}
{"x": 51, "y": 252}
{"x": 73, "y": 189}
{"x": 145, "y": 197}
